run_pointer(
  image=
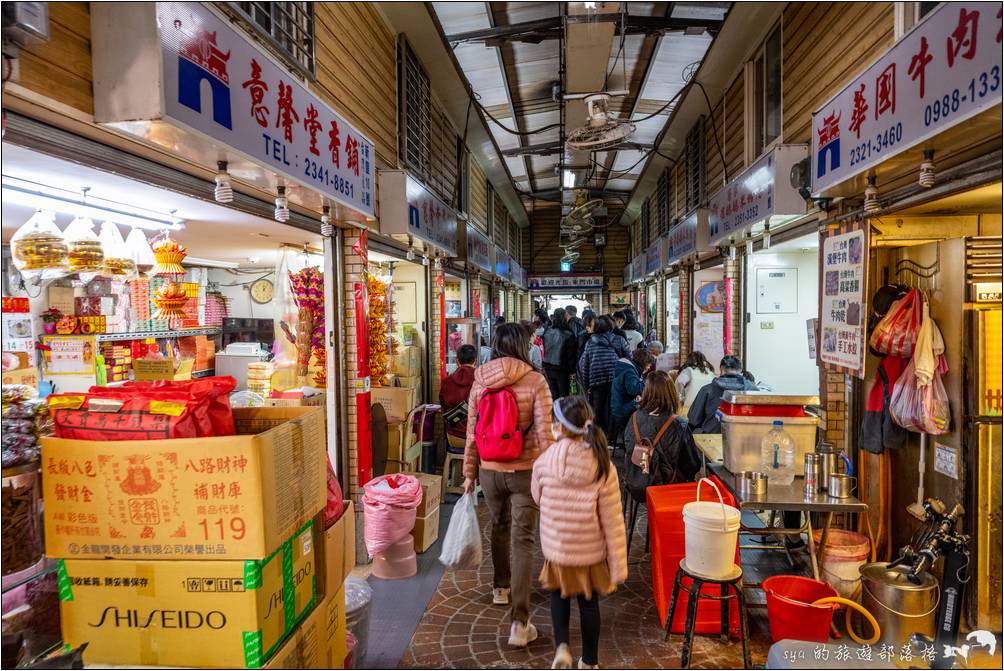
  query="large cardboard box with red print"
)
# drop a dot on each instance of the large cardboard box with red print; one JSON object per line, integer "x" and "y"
{"x": 231, "y": 497}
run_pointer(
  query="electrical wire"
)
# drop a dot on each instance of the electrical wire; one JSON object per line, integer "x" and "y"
{"x": 714, "y": 132}
{"x": 620, "y": 50}
{"x": 501, "y": 125}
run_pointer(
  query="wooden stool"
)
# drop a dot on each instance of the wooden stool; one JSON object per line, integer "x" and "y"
{"x": 697, "y": 582}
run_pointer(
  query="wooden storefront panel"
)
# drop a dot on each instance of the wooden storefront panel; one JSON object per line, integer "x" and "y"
{"x": 60, "y": 68}
{"x": 812, "y": 34}
{"x": 478, "y": 198}
{"x": 361, "y": 83}
{"x": 735, "y": 126}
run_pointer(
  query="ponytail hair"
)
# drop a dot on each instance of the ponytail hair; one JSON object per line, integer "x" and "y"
{"x": 575, "y": 415}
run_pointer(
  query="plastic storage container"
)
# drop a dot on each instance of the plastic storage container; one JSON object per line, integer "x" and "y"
{"x": 790, "y": 613}
{"x": 747, "y": 415}
{"x": 712, "y": 530}
{"x": 358, "y": 609}
{"x": 777, "y": 455}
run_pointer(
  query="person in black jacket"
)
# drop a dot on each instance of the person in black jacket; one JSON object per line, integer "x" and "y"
{"x": 560, "y": 355}
{"x": 677, "y": 458}
{"x": 702, "y": 415}
{"x": 588, "y": 324}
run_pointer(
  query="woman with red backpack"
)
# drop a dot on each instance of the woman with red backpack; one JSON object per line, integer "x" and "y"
{"x": 509, "y": 425}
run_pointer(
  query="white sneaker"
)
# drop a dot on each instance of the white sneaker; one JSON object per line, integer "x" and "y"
{"x": 500, "y": 596}
{"x": 521, "y": 635}
{"x": 583, "y": 665}
{"x": 562, "y": 657}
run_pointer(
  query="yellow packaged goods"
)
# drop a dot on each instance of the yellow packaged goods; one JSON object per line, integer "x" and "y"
{"x": 397, "y": 402}
{"x": 319, "y": 641}
{"x": 295, "y": 400}
{"x": 336, "y": 556}
{"x": 426, "y": 530}
{"x": 432, "y": 491}
{"x": 205, "y": 613}
{"x": 227, "y": 497}
{"x": 408, "y": 361}
{"x": 162, "y": 369}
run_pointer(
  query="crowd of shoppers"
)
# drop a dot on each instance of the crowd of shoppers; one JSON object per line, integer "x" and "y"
{"x": 540, "y": 418}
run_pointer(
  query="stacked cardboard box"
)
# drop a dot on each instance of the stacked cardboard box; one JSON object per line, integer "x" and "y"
{"x": 426, "y": 529}
{"x": 195, "y": 552}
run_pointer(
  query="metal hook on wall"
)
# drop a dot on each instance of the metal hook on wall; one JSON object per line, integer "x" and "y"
{"x": 918, "y": 276}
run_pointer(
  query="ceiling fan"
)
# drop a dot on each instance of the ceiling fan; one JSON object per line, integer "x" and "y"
{"x": 602, "y": 131}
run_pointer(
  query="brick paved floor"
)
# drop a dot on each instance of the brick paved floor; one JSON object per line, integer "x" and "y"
{"x": 462, "y": 629}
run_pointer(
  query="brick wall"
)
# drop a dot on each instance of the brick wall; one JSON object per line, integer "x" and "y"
{"x": 660, "y": 308}
{"x": 354, "y": 272}
{"x": 438, "y": 279}
{"x": 734, "y": 311}
{"x": 832, "y": 396}
{"x": 687, "y": 316}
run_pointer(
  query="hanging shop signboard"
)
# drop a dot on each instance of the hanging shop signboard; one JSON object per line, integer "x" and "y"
{"x": 683, "y": 239}
{"x": 638, "y": 268}
{"x": 502, "y": 267}
{"x": 182, "y": 68}
{"x": 653, "y": 257}
{"x": 410, "y": 210}
{"x": 943, "y": 72}
{"x": 762, "y": 190}
{"x": 479, "y": 250}
{"x": 842, "y": 311}
{"x": 518, "y": 274}
{"x": 566, "y": 282}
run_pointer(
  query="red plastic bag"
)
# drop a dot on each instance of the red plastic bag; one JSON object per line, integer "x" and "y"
{"x": 921, "y": 409}
{"x": 133, "y": 416}
{"x": 198, "y": 406}
{"x": 335, "y": 505}
{"x": 896, "y": 334}
{"x": 216, "y": 391}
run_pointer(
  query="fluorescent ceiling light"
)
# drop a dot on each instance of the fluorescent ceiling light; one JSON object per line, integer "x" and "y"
{"x": 41, "y": 196}
{"x": 568, "y": 179}
{"x": 209, "y": 263}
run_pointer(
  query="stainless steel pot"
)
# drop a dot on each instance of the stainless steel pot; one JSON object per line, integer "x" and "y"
{"x": 751, "y": 485}
{"x": 900, "y": 607}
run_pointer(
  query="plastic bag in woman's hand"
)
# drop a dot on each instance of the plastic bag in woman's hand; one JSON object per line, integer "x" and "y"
{"x": 462, "y": 544}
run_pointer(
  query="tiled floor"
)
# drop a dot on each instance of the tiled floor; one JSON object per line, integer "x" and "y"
{"x": 462, "y": 629}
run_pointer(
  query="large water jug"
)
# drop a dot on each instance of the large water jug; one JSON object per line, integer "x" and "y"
{"x": 777, "y": 453}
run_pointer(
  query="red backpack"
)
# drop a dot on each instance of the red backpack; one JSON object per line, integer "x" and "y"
{"x": 497, "y": 433}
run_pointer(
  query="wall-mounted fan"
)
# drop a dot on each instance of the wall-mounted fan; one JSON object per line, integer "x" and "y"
{"x": 601, "y": 131}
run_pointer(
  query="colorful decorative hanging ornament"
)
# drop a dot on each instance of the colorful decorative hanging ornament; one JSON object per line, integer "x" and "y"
{"x": 169, "y": 255}
{"x": 169, "y": 298}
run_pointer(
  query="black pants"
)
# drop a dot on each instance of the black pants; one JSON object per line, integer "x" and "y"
{"x": 589, "y": 623}
{"x": 559, "y": 382}
{"x": 599, "y": 398}
{"x": 617, "y": 426}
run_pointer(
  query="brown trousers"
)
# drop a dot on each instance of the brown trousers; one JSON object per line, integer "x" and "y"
{"x": 514, "y": 529}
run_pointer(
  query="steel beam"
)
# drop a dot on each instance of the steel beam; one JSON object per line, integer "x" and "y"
{"x": 550, "y": 29}
{"x": 556, "y": 147}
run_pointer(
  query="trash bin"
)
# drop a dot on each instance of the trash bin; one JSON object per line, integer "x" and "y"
{"x": 358, "y": 608}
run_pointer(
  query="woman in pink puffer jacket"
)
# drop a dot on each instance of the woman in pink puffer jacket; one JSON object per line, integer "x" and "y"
{"x": 581, "y": 526}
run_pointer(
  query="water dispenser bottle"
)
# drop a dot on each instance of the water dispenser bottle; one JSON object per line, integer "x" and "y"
{"x": 777, "y": 451}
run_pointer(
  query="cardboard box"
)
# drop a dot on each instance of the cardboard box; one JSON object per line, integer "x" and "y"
{"x": 26, "y": 376}
{"x": 162, "y": 369}
{"x": 397, "y": 402}
{"x": 426, "y": 530}
{"x": 229, "y": 497}
{"x": 398, "y": 454}
{"x": 336, "y": 556}
{"x": 413, "y": 382}
{"x": 432, "y": 493}
{"x": 295, "y": 401}
{"x": 318, "y": 642}
{"x": 407, "y": 361}
{"x": 206, "y": 613}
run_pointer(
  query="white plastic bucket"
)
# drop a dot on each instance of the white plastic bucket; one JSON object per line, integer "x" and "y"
{"x": 711, "y": 534}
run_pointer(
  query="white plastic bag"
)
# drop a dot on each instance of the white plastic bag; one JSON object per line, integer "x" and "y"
{"x": 462, "y": 544}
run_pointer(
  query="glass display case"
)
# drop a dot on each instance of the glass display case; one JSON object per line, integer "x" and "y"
{"x": 460, "y": 331}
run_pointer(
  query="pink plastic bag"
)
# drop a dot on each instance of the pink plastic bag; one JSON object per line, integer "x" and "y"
{"x": 389, "y": 504}
{"x": 920, "y": 409}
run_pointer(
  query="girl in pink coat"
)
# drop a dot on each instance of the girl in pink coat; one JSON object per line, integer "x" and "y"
{"x": 581, "y": 526}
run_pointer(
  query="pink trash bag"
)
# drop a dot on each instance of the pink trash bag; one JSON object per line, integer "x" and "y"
{"x": 921, "y": 409}
{"x": 389, "y": 504}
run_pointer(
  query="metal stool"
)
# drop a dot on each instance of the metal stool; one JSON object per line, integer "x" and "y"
{"x": 631, "y": 511}
{"x": 455, "y": 454}
{"x": 697, "y": 582}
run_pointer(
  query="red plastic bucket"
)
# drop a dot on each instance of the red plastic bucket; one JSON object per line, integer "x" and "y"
{"x": 790, "y": 612}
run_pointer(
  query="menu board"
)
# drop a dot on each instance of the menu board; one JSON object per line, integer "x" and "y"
{"x": 842, "y": 311}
